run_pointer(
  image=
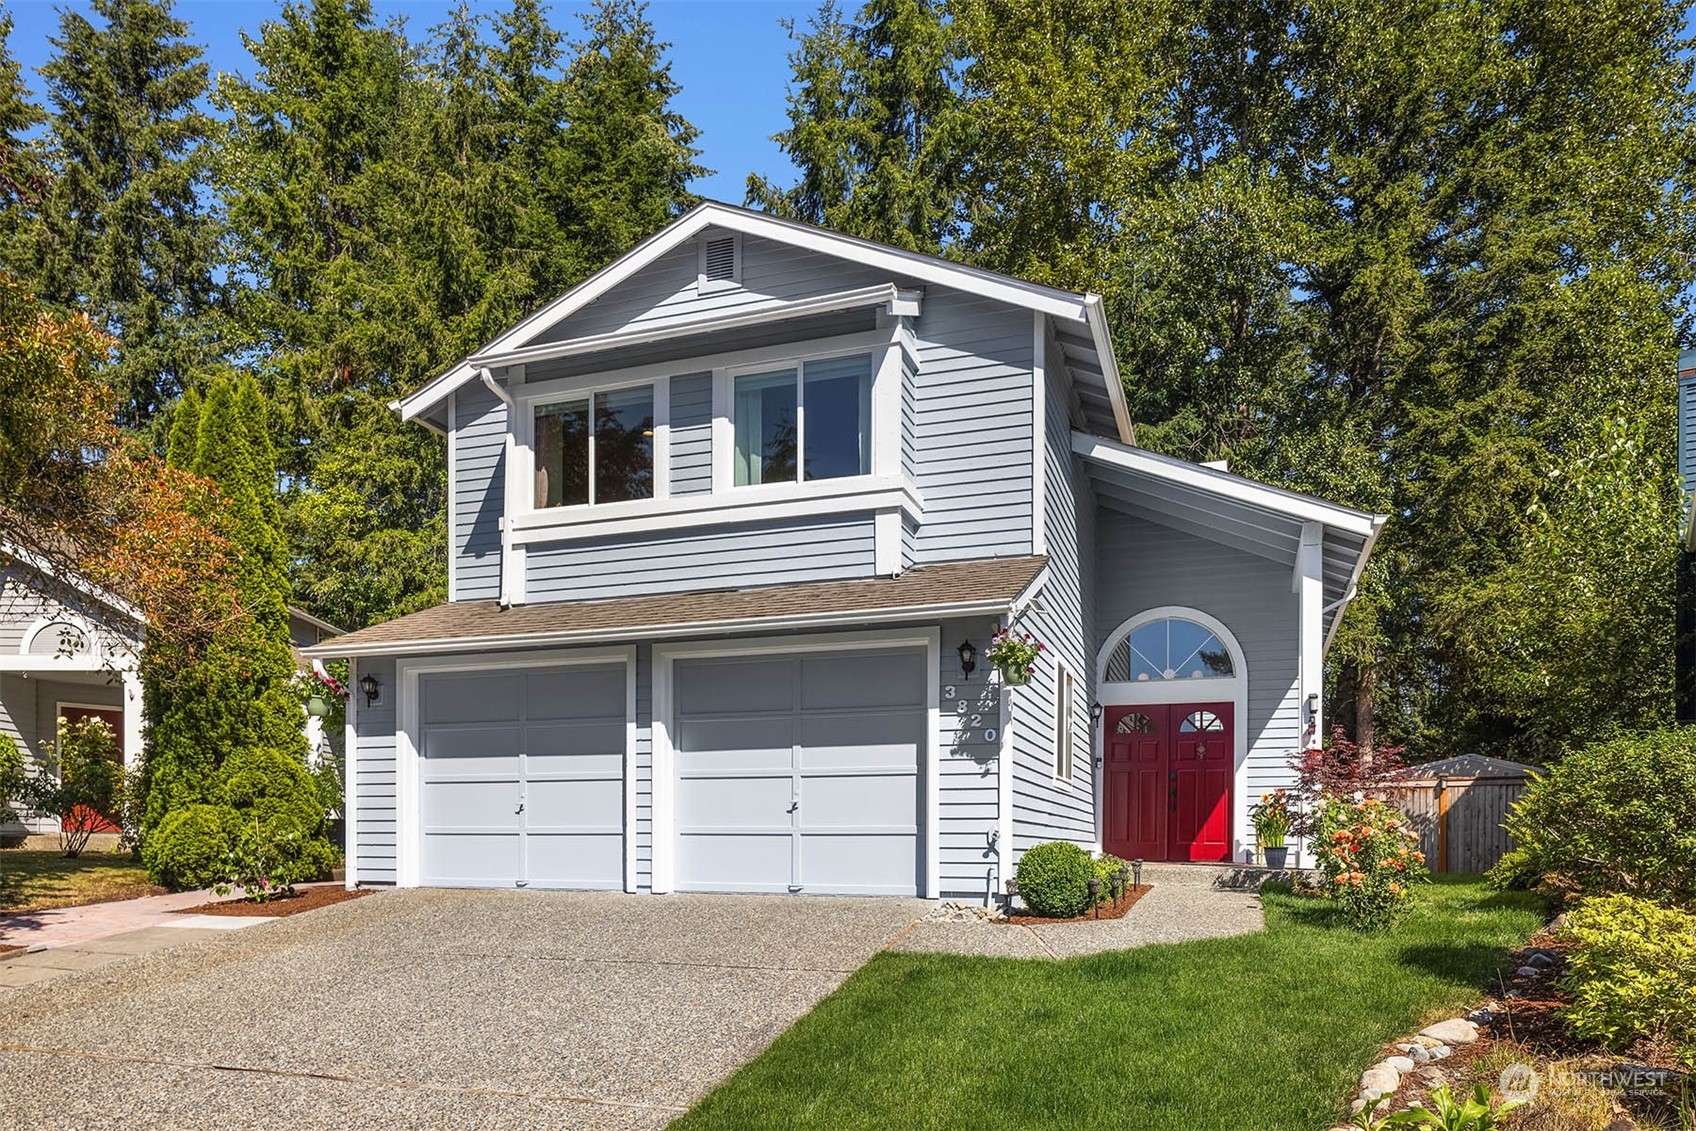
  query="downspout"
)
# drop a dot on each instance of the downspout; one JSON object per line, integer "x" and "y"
{"x": 494, "y": 387}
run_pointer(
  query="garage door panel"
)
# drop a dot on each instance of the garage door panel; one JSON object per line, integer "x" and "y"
{"x": 477, "y": 743}
{"x": 860, "y": 801}
{"x": 873, "y": 865}
{"x": 696, "y": 737}
{"x": 857, "y": 680}
{"x": 732, "y": 686}
{"x": 557, "y": 805}
{"x": 552, "y": 767}
{"x": 577, "y": 693}
{"x": 463, "y": 698}
{"x": 736, "y": 760}
{"x": 868, "y": 740}
{"x": 586, "y": 738}
{"x": 734, "y": 802}
{"x": 471, "y": 804}
{"x": 581, "y": 860}
{"x": 472, "y": 859}
{"x": 716, "y": 862}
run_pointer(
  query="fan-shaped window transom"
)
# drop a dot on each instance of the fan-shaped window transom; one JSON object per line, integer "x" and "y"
{"x": 1170, "y": 648}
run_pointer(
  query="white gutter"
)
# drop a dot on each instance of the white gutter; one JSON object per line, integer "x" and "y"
{"x": 1095, "y": 317}
{"x": 494, "y": 387}
{"x": 1341, "y": 604}
{"x": 331, "y": 650}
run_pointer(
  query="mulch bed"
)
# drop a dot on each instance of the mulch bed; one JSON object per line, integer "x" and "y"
{"x": 1104, "y": 911}
{"x": 306, "y": 899}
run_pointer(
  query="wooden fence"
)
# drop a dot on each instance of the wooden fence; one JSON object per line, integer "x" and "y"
{"x": 1459, "y": 820}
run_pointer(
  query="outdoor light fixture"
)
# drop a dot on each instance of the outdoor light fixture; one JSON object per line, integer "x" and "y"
{"x": 968, "y": 659}
{"x": 1096, "y": 710}
{"x": 1136, "y": 874}
{"x": 369, "y": 685}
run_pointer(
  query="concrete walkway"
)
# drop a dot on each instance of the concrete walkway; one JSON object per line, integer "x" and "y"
{"x": 1183, "y": 905}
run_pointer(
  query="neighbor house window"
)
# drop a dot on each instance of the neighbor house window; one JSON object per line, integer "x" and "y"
{"x": 598, "y": 448}
{"x": 1063, "y": 725}
{"x": 812, "y": 421}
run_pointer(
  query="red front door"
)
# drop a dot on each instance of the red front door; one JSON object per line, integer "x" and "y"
{"x": 1166, "y": 789}
{"x": 114, "y": 718}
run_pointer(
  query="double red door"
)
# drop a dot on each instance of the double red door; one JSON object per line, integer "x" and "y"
{"x": 1166, "y": 789}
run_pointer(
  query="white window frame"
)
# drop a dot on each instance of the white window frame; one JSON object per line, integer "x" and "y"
{"x": 538, "y": 397}
{"x": 1065, "y": 741}
{"x": 799, "y": 365}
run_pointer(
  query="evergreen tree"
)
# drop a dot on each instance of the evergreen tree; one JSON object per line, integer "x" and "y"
{"x": 123, "y": 231}
{"x": 23, "y": 179}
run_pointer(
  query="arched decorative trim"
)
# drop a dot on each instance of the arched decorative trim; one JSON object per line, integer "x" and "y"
{"x": 1232, "y": 689}
{"x": 59, "y": 616}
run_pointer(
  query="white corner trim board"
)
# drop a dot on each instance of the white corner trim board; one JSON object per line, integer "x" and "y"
{"x": 664, "y": 750}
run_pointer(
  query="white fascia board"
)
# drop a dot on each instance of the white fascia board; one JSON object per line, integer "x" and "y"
{"x": 1095, "y": 316}
{"x": 898, "y": 614}
{"x": 886, "y": 295}
{"x": 1225, "y": 485}
{"x": 1378, "y": 521}
{"x": 1690, "y": 525}
{"x": 913, "y": 265}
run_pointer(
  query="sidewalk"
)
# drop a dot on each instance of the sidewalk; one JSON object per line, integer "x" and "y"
{"x": 82, "y": 938}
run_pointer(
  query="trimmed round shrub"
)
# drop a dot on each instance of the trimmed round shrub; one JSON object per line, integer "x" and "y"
{"x": 1054, "y": 879}
{"x": 190, "y": 848}
{"x": 275, "y": 789}
{"x": 1615, "y": 817}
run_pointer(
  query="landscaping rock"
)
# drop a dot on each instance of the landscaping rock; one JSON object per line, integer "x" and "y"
{"x": 1455, "y": 1031}
{"x": 1402, "y": 1064}
{"x": 1358, "y": 1106}
{"x": 1380, "y": 1080}
{"x": 957, "y": 913}
{"x": 1417, "y": 1053}
{"x": 1441, "y": 1052}
{"x": 1428, "y": 1042}
{"x": 1540, "y": 959}
{"x": 1529, "y": 972}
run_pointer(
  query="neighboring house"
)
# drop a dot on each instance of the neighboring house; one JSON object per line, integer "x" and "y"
{"x": 1685, "y": 648}
{"x": 723, "y": 518}
{"x": 73, "y": 654}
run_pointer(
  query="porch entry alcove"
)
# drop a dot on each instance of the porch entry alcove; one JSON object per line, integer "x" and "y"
{"x": 1174, "y": 690}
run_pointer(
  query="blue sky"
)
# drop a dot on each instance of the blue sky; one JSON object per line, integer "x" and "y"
{"x": 731, "y": 56}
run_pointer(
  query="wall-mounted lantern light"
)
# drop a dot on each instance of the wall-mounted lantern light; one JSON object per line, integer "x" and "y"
{"x": 369, "y": 686}
{"x": 968, "y": 659}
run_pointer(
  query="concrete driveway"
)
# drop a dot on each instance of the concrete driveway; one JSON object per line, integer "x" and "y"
{"x": 436, "y": 1009}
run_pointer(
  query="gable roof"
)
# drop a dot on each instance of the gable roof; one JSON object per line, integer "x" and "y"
{"x": 1091, "y": 352}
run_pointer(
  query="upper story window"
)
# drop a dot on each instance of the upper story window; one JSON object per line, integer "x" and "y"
{"x": 810, "y": 421}
{"x": 610, "y": 460}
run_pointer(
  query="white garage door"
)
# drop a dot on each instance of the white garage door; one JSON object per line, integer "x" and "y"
{"x": 523, "y": 777}
{"x": 800, "y": 773}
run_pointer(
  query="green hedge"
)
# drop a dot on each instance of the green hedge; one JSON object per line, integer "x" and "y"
{"x": 1054, "y": 879}
{"x": 1631, "y": 973}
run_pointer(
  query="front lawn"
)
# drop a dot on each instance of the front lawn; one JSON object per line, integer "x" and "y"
{"x": 32, "y": 880}
{"x": 1263, "y": 1031}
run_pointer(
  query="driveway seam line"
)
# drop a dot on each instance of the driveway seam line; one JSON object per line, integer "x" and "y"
{"x": 644, "y": 962}
{"x": 1040, "y": 941}
{"x": 304, "y": 1074}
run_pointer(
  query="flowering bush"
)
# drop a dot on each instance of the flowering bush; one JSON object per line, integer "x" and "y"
{"x": 1015, "y": 653}
{"x": 1369, "y": 860}
{"x": 1272, "y": 818}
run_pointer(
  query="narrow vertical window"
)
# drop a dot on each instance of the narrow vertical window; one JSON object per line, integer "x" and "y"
{"x": 836, "y": 395}
{"x": 768, "y": 428}
{"x": 1063, "y": 725}
{"x": 562, "y": 454}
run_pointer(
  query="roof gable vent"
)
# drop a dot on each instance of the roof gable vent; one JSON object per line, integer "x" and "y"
{"x": 721, "y": 261}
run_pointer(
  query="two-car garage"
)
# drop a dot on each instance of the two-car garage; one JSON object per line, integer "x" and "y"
{"x": 773, "y": 771}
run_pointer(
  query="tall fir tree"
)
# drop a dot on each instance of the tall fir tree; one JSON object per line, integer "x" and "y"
{"x": 23, "y": 177}
{"x": 125, "y": 230}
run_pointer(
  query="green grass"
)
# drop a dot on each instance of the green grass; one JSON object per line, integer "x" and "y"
{"x": 1264, "y": 1031}
{"x": 32, "y": 880}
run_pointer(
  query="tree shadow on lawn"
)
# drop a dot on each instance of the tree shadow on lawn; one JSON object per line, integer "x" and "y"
{"x": 1466, "y": 963}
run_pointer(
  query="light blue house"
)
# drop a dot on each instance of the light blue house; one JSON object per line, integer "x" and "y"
{"x": 733, "y": 525}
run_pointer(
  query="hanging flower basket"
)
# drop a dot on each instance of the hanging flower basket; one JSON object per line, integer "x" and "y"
{"x": 317, "y": 705}
{"x": 1014, "y": 655}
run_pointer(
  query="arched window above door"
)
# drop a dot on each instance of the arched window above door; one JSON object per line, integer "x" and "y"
{"x": 1171, "y": 648}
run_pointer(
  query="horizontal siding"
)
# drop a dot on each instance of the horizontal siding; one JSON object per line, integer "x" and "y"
{"x": 479, "y": 492}
{"x": 374, "y": 754}
{"x": 666, "y": 290}
{"x": 967, "y": 431}
{"x": 1045, "y": 808}
{"x": 821, "y": 549}
{"x": 692, "y": 434}
{"x": 1143, "y": 565}
{"x": 967, "y": 772}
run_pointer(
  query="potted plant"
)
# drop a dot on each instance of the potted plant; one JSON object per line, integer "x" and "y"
{"x": 1272, "y": 820}
{"x": 1014, "y": 655}
{"x": 319, "y": 692}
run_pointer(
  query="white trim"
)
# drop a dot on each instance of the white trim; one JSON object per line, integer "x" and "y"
{"x": 886, "y": 542}
{"x": 1233, "y": 690}
{"x": 135, "y": 739}
{"x": 1039, "y": 434}
{"x": 660, "y": 442}
{"x": 1004, "y": 757}
{"x": 1342, "y": 604}
{"x": 1309, "y": 585}
{"x": 1065, "y": 705}
{"x": 1224, "y": 485}
{"x": 664, "y": 761}
{"x": 706, "y": 286}
{"x": 723, "y": 434}
{"x": 46, "y": 568}
{"x": 1096, "y": 318}
{"x": 350, "y": 780}
{"x": 453, "y": 496}
{"x": 62, "y": 615}
{"x": 409, "y": 825}
{"x": 632, "y": 738}
{"x": 845, "y": 618}
{"x": 513, "y": 568}
{"x": 898, "y": 263}
{"x": 47, "y": 665}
